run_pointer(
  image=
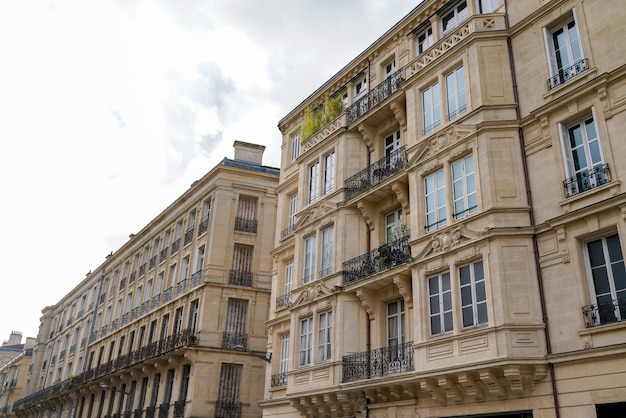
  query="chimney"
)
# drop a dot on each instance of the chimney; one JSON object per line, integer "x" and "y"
{"x": 30, "y": 342}
{"x": 15, "y": 338}
{"x": 252, "y": 153}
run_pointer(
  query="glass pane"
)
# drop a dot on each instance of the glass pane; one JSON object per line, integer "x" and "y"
{"x": 615, "y": 251}
{"x": 466, "y": 295}
{"x": 447, "y": 301}
{"x": 574, "y": 43}
{"x": 468, "y": 316}
{"x": 619, "y": 275}
{"x": 482, "y": 313}
{"x": 464, "y": 274}
{"x": 480, "y": 291}
{"x": 601, "y": 280}
{"x": 435, "y": 326}
{"x": 575, "y": 136}
{"x": 445, "y": 281}
{"x": 596, "y": 254}
{"x": 447, "y": 318}
{"x": 433, "y": 286}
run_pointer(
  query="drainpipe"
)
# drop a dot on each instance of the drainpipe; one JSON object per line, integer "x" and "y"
{"x": 542, "y": 299}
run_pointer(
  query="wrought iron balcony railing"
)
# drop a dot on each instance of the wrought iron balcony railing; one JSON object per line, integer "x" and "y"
{"x": 376, "y": 96}
{"x": 241, "y": 278}
{"x": 204, "y": 225}
{"x": 175, "y": 246}
{"x": 586, "y": 180}
{"x": 235, "y": 340}
{"x": 377, "y": 363}
{"x": 376, "y": 173}
{"x": 179, "y": 408}
{"x": 142, "y": 269}
{"x": 386, "y": 256}
{"x": 245, "y": 225}
{"x": 138, "y": 413}
{"x": 283, "y": 300}
{"x": 150, "y": 411}
{"x": 567, "y": 73}
{"x": 227, "y": 408}
{"x": 163, "y": 254}
{"x": 286, "y": 232}
{"x": 164, "y": 410}
{"x": 188, "y": 236}
{"x": 605, "y": 313}
{"x": 152, "y": 262}
{"x": 279, "y": 379}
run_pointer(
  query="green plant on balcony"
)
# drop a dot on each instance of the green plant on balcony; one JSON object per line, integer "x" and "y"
{"x": 314, "y": 119}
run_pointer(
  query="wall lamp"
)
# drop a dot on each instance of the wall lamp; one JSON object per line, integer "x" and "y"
{"x": 267, "y": 356}
{"x": 107, "y": 387}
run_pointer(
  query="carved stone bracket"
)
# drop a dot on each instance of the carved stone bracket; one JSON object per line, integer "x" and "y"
{"x": 403, "y": 283}
{"x": 366, "y": 209}
{"x": 402, "y": 193}
{"x": 366, "y": 297}
{"x": 399, "y": 112}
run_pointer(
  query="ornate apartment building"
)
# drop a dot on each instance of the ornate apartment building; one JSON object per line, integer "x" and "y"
{"x": 15, "y": 359}
{"x": 172, "y": 324}
{"x": 451, "y": 230}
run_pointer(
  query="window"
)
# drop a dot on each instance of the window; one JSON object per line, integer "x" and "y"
{"x": 204, "y": 220}
{"x": 389, "y": 69}
{"x": 184, "y": 383}
{"x": 241, "y": 270}
{"x": 455, "y": 93}
{"x": 608, "y": 278}
{"x": 424, "y": 40}
{"x": 473, "y": 294}
{"x": 184, "y": 270}
{"x": 193, "y": 316}
{"x": 283, "y": 366}
{"x": 293, "y": 209}
{"x": 440, "y": 301}
{"x": 329, "y": 173}
{"x": 314, "y": 175}
{"x": 310, "y": 248}
{"x": 435, "y": 193}
{"x": 295, "y": 146}
{"x": 464, "y": 187}
{"x": 487, "y": 6}
{"x": 431, "y": 108}
{"x": 395, "y": 323}
{"x": 235, "y": 335}
{"x": 392, "y": 144}
{"x": 564, "y": 52}
{"x": 155, "y": 389}
{"x": 306, "y": 336}
{"x": 455, "y": 16}
{"x": 165, "y": 324}
{"x": 199, "y": 260}
{"x": 169, "y": 383}
{"x": 393, "y": 225}
{"x": 324, "y": 336}
{"x": 583, "y": 156}
{"x": 360, "y": 87}
{"x": 328, "y": 239}
{"x": 246, "y": 219}
{"x": 178, "y": 320}
{"x": 288, "y": 276}
{"x": 228, "y": 392}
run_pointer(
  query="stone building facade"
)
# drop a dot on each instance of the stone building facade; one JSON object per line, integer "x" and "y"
{"x": 172, "y": 324}
{"x": 451, "y": 231}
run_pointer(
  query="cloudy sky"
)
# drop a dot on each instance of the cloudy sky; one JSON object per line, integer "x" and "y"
{"x": 110, "y": 109}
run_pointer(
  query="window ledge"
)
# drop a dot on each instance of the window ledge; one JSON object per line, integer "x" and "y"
{"x": 598, "y": 329}
{"x": 613, "y": 185}
{"x": 574, "y": 81}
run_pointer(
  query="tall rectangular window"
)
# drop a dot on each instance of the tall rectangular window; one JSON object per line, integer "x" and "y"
{"x": 393, "y": 225}
{"x": 487, "y": 6}
{"x": 431, "y": 108}
{"x": 310, "y": 249}
{"x": 464, "y": 187}
{"x": 169, "y": 384}
{"x": 395, "y": 323}
{"x": 435, "y": 194}
{"x": 193, "y": 316}
{"x": 440, "y": 302}
{"x": 324, "y": 336}
{"x": 246, "y": 219}
{"x": 583, "y": 156}
{"x": 206, "y": 212}
{"x": 314, "y": 180}
{"x": 241, "y": 270}
{"x": 184, "y": 271}
{"x": 199, "y": 259}
{"x": 295, "y": 147}
{"x": 328, "y": 250}
{"x": 329, "y": 173}
{"x": 156, "y": 384}
{"x": 178, "y": 320}
{"x": 228, "y": 392}
{"x": 288, "y": 276}
{"x": 455, "y": 93}
{"x": 565, "y": 52}
{"x": 424, "y": 40}
{"x": 293, "y": 209}
{"x": 608, "y": 278}
{"x": 473, "y": 294}
{"x": 184, "y": 383}
{"x": 455, "y": 16}
{"x": 236, "y": 319}
{"x": 306, "y": 341}
{"x": 165, "y": 325}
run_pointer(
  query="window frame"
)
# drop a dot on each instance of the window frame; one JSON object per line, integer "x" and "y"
{"x": 456, "y": 93}
{"x": 431, "y": 113}
{"x": 443, "y": 315}
{"x": 330, "y": 162}
{"x": 324, "y": 336}
{"x": 399, "y": 319}
{"x": 456, "y": 17}
{"x": 552, "y": 52}
{"x": 439, "y": 209}
{"x": 327, "y": 250}
{"x": 422, "y": 46}
{"x": 487, "y": 6}
{"x": 467, "y": 181}
{"x": 313, "y": 177}
{"x": 310, "y": 259}
{"x": 474, "y": 288}
{"x": 306, "y": 341}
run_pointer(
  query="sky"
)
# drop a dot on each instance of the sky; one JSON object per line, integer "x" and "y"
{"x": 110, "y": 109}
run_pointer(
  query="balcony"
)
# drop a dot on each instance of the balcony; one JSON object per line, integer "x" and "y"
{"x": 286, "y": 232}
{"x": 279, "y": 379}
{"x": 234, "y": 340}
{"x": 204, "y": 225}
{"x": 188, "y": 236}
{"x": 566, "y": 74}
{"x": 383, "y": 258}
{"x": 179, "y": 408}
{"x": 586, "y": 180}
{"x": 240, "y": 278}
{"x": 227, "y": 408}
{"x": 375, "y": 173}
{"x": 377, "y": 363}
{"x": 142, "y": 269}
{"x": 150, "y": 411}
{"x": 283, "y": 301}
{"x": 152, "y": 262}
{"x": 138, "y": 413}
{"x": 175, "y": 246}
{"x": 376, "y": 96}
{"x": 605, "y": 313}
{"x": 164, "y": 410}
{"x": 245, "y": 225}
{"x": 163, "y": 255}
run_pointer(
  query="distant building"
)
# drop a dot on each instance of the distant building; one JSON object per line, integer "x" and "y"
{"x": 15, "y": 359}
{"x": 172, "y": 324}
{"x": 451, "y": 220}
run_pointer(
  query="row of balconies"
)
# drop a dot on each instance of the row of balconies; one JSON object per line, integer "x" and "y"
{"x": 162, "y": 411}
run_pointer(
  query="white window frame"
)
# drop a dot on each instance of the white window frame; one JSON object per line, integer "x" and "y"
{"x": 396, "y": 323}
{"x": 487, "y": 6}
{"x": 288, "y": 277}
{"x": 454, "y": 16}
{"x": 306, "y": 341}
{"x": 389, "y": 68}
{"x": 393, "y": 224}
{"x": 310, "y": 255}
{"x": 328, "y": 249}
{"x": 294, "y": 147}
{"x": 324, "y": 336}
{"x": 435, "y": 200}
{"x": 440, "y": 303}
{"x": 473, "y": 294}
{"x": 283, "y": 365}
{"x": 431, "y": 108}
{"x": 293, "y": 209}
{"x": 464, "y": 197}
{"x": 424, "y": 40}
{"x": 360, "y": 87}
{"x": 329, "y": 172}
{"x": 314, "y": 181}
{"x": 566, "y": 57}
{"x": 456, "y": 99}
{"x": 392, "y": 146}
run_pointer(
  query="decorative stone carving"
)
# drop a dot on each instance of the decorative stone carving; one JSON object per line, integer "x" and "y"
{"x": 311, "y": 293}
{"x": 448, "y": 239}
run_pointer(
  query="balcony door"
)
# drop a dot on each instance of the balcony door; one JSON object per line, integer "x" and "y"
{"x": 608, "y": 278}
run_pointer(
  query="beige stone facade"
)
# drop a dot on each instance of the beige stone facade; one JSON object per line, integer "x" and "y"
{"x": 172, "y": 324}
{"x": 451, "y": 243}
{"x": 15, "y": 359}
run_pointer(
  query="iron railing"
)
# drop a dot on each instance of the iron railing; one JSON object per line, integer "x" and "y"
{"x": 605, "y": 313}
{"x": 163, "y": 255}
{"x": 565, "y": 74}
{"x": 376, "y": 173}
{"x": 164, "y": 410}
{"x": 179, "y": 408}
{"x": 152, "y": 262}
{"x": 188, "y": 236}
{"x": 138, "y": 413}
{"x": 142, "y": 269}
{"x": 235, "y": 340}
{"x": 279, "y": 379}
{"x": 586, "y": 180}
{"x": 150, "y": 411}
{"x": 175, "y": 246}
{"x": 245, "y": 225}
{"x": 377, "y": 363}
{"x": 386, "y": 256}
{"x": 286, "y": 232}
{"x": 376, "y": 96}
{"x": 204, "y": 225}
{"x": 227, "y": 408}
{"x": 239, "y": 277}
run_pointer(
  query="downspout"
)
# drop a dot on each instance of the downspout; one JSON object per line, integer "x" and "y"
{"x": 540, "y": 285}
